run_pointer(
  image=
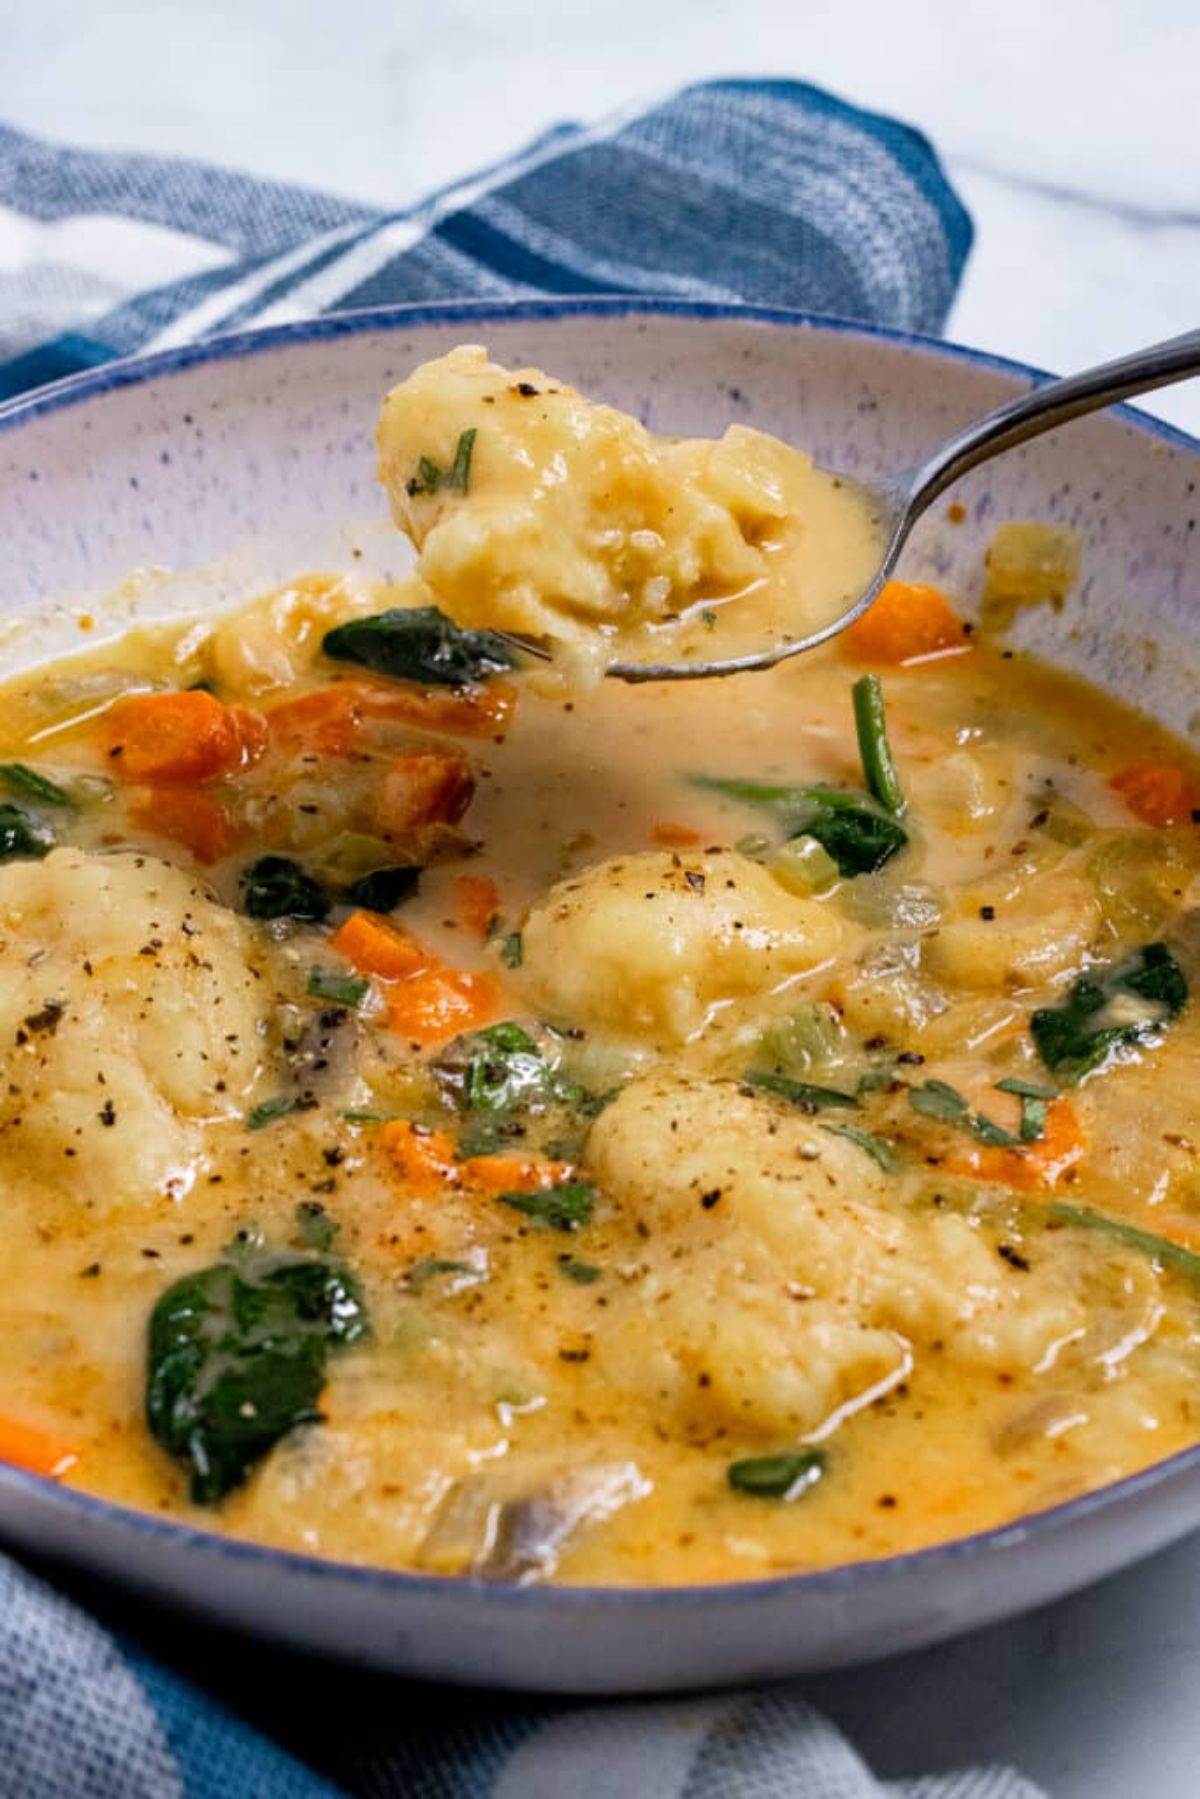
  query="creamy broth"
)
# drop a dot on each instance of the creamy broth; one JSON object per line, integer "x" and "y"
{"x": 700, "y": 1271}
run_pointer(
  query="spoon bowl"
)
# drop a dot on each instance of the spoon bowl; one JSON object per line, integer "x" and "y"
{"x": 898, "y": 500}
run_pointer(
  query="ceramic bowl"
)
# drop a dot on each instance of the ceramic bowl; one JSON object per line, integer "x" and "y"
{"x": 214, "y": 471}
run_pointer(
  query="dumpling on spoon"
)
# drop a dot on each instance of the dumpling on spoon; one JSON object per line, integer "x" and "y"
{"x": 540, "y": 512}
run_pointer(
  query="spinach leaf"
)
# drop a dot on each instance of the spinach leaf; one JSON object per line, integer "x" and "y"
{"x": 419, "y": 643}
{"x": 340, "y": 989}
{"x": 856, "y": 832}
{"x": 27, "y": 781}
{"x": 276, "y": 887}
{"x": 859, "y": 839}
{"x": 784, "y": 1476}
{"x": 236, "y": 1359}
{"x": 805, "y": 1094}
{"x": 1108, "y": 1010}
{"x": 20, "y": 837}
{"x": 562, "y": 1208}
{"x": 429, "y": 478}
{"x": 384, "y": 888}
{"x": 870, "y": 722}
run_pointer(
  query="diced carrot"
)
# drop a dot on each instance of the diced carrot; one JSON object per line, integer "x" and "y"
{"x": 477, "y": 900}
{"x": 326, "y": 722}
{"x": 512, "y": 1174}
{"x": 329, "y": 721}
{"x": 1158, "y": 793}
{"x": 180, "y": 739}
{"x": 1040, "y": 1164}
{"x": 674, "y": 837}
{"x": 907, "y": 623}
{"x": 373, "y": 945}
{"x": 38, "y": 1451}
{"x": 423, "y": 1159}
{"x": 439, "y": 1002}
{"x": 483, "y": 711}
{"x": 196, "y": 820}
{"x": 423, "y": 788}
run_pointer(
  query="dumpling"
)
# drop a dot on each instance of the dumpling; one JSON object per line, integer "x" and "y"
{"x": 645, "y": 946}
{"x": 558, "y": 515}
{"x": 129, "y": 1016}
{"x": 784, "y": 1276}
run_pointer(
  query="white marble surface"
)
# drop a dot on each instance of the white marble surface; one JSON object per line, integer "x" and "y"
{"x": 1072, "y": 133}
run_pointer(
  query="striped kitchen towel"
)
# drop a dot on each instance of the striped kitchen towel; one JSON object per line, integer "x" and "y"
{"x": 764, "y": 191}
{"x": 769, "y": 192}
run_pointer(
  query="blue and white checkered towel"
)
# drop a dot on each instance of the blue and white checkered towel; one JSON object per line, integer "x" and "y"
{"x": 766, "y": 191}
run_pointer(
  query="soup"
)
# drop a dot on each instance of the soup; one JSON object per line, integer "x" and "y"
{"x": 633, "y": 1135}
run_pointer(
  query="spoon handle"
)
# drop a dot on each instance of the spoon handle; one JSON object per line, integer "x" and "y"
{"x": 1049, "y": 404}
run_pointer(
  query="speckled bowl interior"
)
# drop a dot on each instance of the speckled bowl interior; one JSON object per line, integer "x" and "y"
{"x": 196, "y": 479}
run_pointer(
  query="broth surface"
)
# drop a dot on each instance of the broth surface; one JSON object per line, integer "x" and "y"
{"x": 608, "y": 1264}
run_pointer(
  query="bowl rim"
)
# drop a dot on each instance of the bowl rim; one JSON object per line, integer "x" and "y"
{"x": 832, "y": 1582}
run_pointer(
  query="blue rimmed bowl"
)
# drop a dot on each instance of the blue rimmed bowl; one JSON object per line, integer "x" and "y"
{"x": 198, "y": 477}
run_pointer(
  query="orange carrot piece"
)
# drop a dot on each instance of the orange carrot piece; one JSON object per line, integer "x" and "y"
{"x": 439, "y": 1002}
{"x": 1040, "y": 1164}
{"x": 513, "y": 1174}
{"x": 1158, "y": 793}
{"x": 422, "y": 788}
{"x": 196, "y": 820}
{"x": 330, "y": 720}
{"x": 674, "y": 837}
{"x": 907, "y": 623}
{"x": 373, "y": 945}
{"x": 180, "y": 739}
{"x": 424, "y": 1160}
{"x": 477, "y": 900}
{"x": 37, "y": 1451}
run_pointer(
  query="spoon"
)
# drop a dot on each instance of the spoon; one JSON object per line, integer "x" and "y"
{"x": 899, "y": 500}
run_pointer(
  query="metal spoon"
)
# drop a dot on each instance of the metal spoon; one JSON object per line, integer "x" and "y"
{"x": 900, "y": 499}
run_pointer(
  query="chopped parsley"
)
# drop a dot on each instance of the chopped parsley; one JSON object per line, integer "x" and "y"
{"x": 805, "y": 1094}
{"x": 562, "y": 1208}
{"x": 878, "y": 1148}
{"x": 430, "y": 479}
{"x": 785, "y": 1476}
{"x": 347, "y": 990}
{"x": 270, "y": 1110}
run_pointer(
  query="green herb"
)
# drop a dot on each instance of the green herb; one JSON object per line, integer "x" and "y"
{"x": 419, "y": 643}
{"x": 236, "y": 1359}
{"x": 496, "y": 1070}
{"x": 562, "y": 1208}
{"x": 271, "y": 1109}
{"x": 805, "y": 1094}
{"x": 876, "y": 1080}
{"x": 937, "y": 1099}
{"x": 275, "y": 887}
{"x": 343, "y": 989}
{"x": 383, "y": 889}
{"x": 358, "y": 1117}
{"x": 878, "y": 1148}
{"x": 431, "y": 479}
{"x": 1172, "y": 1255}
{"x": 1108, "y": 1010}
{"x": 785, "y": 1476}
{"x": 317, "y": 1229}
{"x": 20, "y": 837}
{"x": 27, "y": 781}
{"x": 584, "y": 1274}
{"x": 709, "y": 617}
{"x": 430, "y": 1267}
{"x": 1034, "y": 1101}
{"x": 512, "y": 949}
{"x": 870, "y": 722}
